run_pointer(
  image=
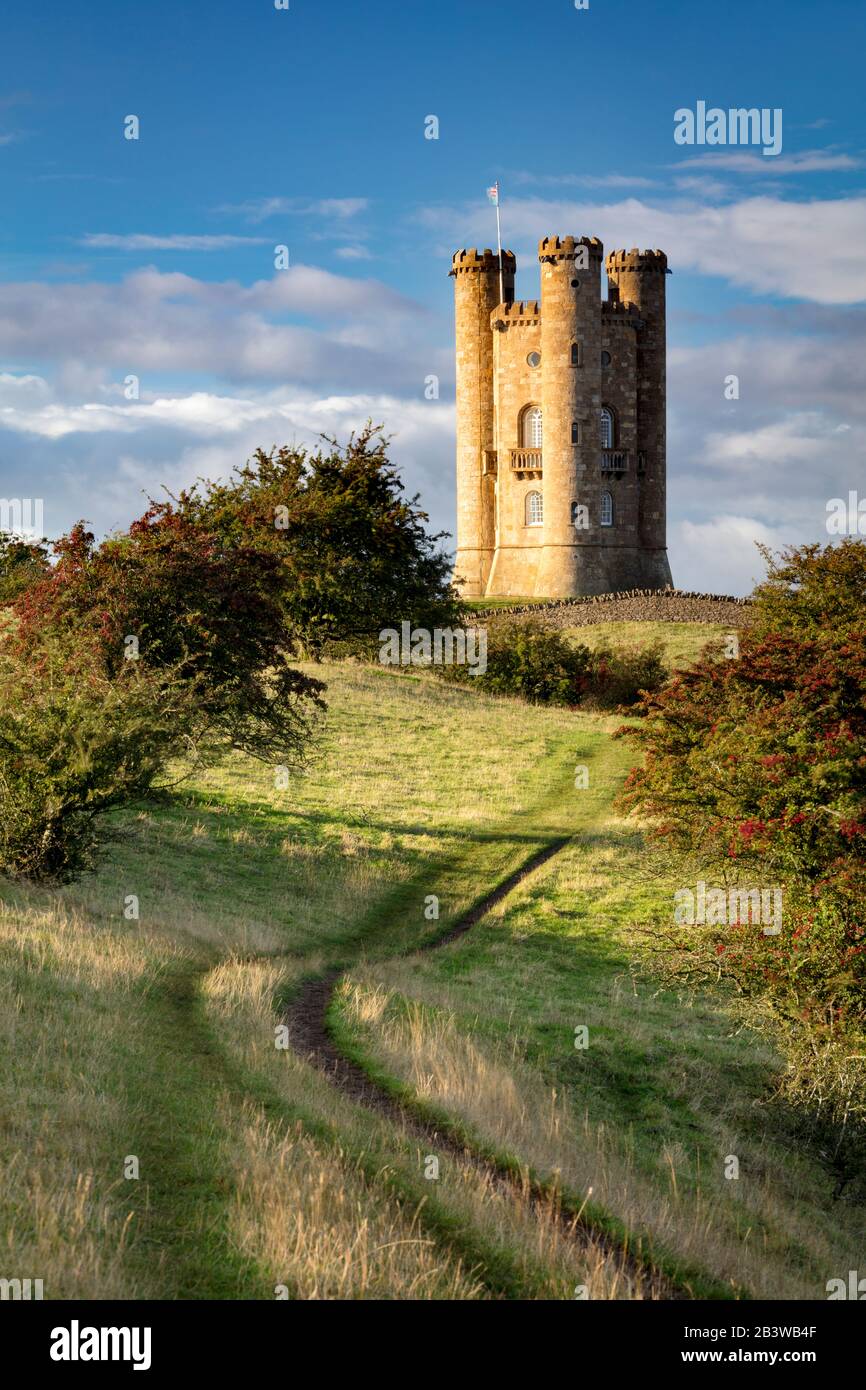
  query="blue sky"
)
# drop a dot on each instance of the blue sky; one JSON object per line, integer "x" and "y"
{"x": 305, "y": 127}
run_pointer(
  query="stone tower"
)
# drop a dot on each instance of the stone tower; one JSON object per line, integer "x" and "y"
{"x": 561, "y": 424}
{"x": 476, "y": 295}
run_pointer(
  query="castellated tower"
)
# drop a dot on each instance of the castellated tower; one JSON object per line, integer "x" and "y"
{"x": 476, "y": 295}
{"x": 561, "y": 424}
{"x": 639, "y": 278}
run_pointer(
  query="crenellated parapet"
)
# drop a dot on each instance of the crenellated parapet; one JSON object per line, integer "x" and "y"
{"x": 635, "y": 260}
{"x": 466, "y": 262}
{"x": 567, "y": 248}
{"x": 615, "y": 311}
{"x": 521, "y": 311}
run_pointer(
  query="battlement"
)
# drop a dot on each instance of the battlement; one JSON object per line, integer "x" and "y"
{"x": 565, "y": 248}
{"x": 486, "y": 260}
{"x": 620, "y": 312}
{"x": 520, "y": 311}
{"x": 635, "y": 259}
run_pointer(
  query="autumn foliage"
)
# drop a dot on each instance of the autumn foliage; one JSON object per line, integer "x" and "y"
{"x": 754, "y": 772}
{"x": 756, "y": 767}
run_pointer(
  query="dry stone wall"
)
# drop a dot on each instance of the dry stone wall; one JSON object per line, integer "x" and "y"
{"x": 634, "y": 605}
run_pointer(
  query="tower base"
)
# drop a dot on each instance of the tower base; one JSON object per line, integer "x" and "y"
{"x": 471, "y": 571}
{"x": 563, "y": 571}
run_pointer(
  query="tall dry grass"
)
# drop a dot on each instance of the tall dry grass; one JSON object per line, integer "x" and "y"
{"x": 239, "y": 999}
{"x": 746, "y": 1241}
{"x": 65, "y": 996}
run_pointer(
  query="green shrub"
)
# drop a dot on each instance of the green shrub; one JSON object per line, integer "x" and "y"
{"x": 621, "y": 674}
{"x": 21, "y": 564}
{"x": 535, "y": 662}
{"x": 193, "y": 603}
{"x": 527, "y": 659}
{"x": 824, "y": 1086}
{"x": 74, "y": 744}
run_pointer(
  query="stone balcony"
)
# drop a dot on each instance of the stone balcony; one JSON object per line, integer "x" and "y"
{"x": 525, "y": 460}
{"x": 614, "y": 460}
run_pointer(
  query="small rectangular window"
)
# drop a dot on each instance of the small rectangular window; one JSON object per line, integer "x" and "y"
{"x": 575, "y": 431}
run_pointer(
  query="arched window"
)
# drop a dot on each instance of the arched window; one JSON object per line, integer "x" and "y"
{"x": 531, "y": 430}
{"x": 534, "y": 509}
{"x": 606, "y": 509}
{"x": 607, "y": 429}
{"x": 575, "y": 355}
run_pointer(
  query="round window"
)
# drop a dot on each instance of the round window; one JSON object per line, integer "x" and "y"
{"x": 534, "y": 359}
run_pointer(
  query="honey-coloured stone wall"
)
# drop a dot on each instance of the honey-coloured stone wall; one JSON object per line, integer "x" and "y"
{"x": 571, "y": 353}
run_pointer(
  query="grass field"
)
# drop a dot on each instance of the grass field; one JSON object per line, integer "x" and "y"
{"x": 681, "y": 643}
{"x": 146, "y": 1045}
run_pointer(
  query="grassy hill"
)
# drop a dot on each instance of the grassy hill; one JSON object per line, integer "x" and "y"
{"x": 153, "y": 1044}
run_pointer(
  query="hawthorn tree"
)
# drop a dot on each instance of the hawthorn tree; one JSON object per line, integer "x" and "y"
{"x": 756, "y": 766}
{"x": 173, "y": 596}
{"x": 184, "y": 632}
{"x": 354, "y": 552}
{"x": 76, "y": 743}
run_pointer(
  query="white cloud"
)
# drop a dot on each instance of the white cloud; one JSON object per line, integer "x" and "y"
{"x": 201, "y": 413}
{"x": 353, "y": 253}
{"x": 260, "y": 209}
{"x": 128, "y": 451}
{"x": 340, "y": 207}
{"x": 719, "y": 555}
{"x": 583, "y": 180}
{"x": 775, "y": 373}
{"x": 802, "y": 162}
{"x": 140, "y": 241}
{"x": 810, "y": 250}
{"x": 702, "y": 186}
{"x": 160, "y": 322}
{"x": 27, "y": 390}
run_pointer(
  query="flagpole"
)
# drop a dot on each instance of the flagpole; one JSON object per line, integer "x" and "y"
{"x": 499, "y": 244}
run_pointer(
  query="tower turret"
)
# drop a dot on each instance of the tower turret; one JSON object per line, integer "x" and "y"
{"x": 639, "y": 278}
{"x": 476, "y": 294}
{"x": 571, "y": 400}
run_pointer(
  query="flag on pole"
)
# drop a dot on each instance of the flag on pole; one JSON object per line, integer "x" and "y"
{"x": 493, "y": 195}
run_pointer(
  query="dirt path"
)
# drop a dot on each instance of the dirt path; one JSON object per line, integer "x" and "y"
{"x": 306, "y": 1018}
